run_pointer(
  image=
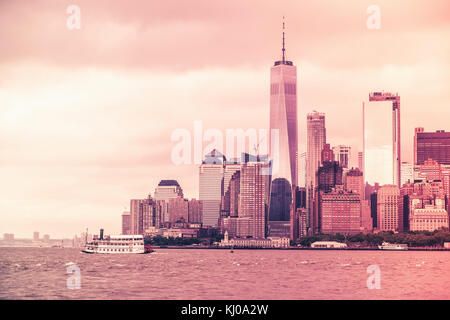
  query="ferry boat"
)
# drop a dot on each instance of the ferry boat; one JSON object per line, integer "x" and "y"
{"x": 116, "y": 244}
{"x": 393, "y": 246}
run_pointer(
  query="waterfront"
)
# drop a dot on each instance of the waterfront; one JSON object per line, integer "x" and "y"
{"x": 40, "y": 273}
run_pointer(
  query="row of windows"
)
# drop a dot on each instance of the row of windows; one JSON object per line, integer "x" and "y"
{"x": 122, "y": 244}
{"x": 289, "y": 88}
{"x": 111, "y": 250}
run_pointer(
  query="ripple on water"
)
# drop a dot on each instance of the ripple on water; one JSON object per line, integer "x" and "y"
{"x": 215, "y": 274}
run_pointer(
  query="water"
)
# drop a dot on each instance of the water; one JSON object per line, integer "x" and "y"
{"x": 41, "y": 273}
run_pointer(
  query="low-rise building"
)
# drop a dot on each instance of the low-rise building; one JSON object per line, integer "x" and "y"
{"x": 271, "y": 242}
{"x": 328, "y": 244}
{"x": 430, "y": 218}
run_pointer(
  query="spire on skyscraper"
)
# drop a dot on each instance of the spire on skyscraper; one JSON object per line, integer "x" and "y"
{"x": 284, "y": 49}
{"x": 283, "y": 60}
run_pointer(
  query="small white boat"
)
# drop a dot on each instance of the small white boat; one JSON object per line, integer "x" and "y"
{"x": 393, "y": 246}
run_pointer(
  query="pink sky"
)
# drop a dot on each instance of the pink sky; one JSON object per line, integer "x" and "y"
{"x": 86, "y": 115}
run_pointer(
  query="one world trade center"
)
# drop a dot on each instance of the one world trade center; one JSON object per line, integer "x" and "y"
{"x": 283, "y": 119}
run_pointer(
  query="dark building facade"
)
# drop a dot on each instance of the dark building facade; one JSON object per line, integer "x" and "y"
{"x": 431, "y": 145}
{"x": 329, "y": 175}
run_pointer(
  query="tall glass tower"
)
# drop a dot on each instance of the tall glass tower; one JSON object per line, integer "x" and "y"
{"x": 283, "y": 118}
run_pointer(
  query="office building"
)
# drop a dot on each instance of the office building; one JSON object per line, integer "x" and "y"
{"x": 211, "y": 187}
{"x": 166, "y": 190}
{"x": 195, "y": 211}
{"x": 283, "y": 119}
{"x": 126, "y": 222}
{"x": 389, "y": 154}
{"x": 342, "y": 154}
{"x": 406, "y": 172}
{"x": 431, "y": 145}
{"x": 316, "y": 139}
{"x": 388, "y": 198}
{"x": 340, "y": 212}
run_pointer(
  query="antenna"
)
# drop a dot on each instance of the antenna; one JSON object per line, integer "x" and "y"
{"x": 284, "y": 60}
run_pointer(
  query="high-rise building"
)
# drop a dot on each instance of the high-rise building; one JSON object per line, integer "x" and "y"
{"x": 126, "y": 222}
{"x": 302, "y": 170}
{"x": 372, "y": 153}
{"x": 136, "y": 216}
{"x": 431, "y": 145}
{"x": 329, "y": 175}
{"x": 166, "y": 190}
{"x": 146, "y": 213}
{"x": 316, "y": 139}
{"x": 354, "y": 182}
{"x": 211, "y": 187}
{"x": 252, "y": 198}
{"x": 406, "y": 172}
{"x": 388, "y": 197}
{"x": 361, "y": 161}
{"x": 340, "y": 212}
{"x": 178, "y": 210}
{"x": 195, "y": 211}
{"x": 284, "y": 154}
{"x": 342, "y": 155}
{"x": 230, "y": 168}
{"x": 35, "y": 236}
{"x": 245, "y": 204}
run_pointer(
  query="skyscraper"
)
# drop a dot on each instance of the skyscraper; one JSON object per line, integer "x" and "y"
{"x": 361, "y": 161}
{"x": 329, "y": 176}
{"x": 431, "y": 145}
{"x": 316, "y": 140}
{"x": 283, "y": 118}
{"x": 211, "y": 187}
{"x": 178, "y": 210}
{"x": 395, "y": 157}
{"x": 252, "y": 200}
{"x": 195, "y": 211}
{"x": 354, "y": 182}
{"x": 302, "y": 170}
{"x": 166, "y": 190}
{"x": 126, "y": 223}
{"x": 137, "y": 216}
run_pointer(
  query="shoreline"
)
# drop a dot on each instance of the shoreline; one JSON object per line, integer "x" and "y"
{"x": 297, "y": 248}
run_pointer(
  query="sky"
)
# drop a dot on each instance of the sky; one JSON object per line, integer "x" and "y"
{"x": 86, "y": 115}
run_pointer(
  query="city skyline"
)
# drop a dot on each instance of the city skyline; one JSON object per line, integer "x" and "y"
{"x": 74, "y": 153}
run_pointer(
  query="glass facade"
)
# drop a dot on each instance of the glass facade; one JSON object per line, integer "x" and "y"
{"x": 283, "y": 119}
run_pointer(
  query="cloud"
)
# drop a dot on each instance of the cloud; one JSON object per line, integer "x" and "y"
{"x": 86, "y": 115}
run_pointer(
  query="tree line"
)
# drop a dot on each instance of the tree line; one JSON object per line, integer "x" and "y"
{"x": 412, "y": 239}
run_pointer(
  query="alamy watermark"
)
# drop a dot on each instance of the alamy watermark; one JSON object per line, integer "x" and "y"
{"x": 74, "y": 20}
{"x": 73, "y": 281}
{"x": 373, "y": 21}
{"x": 189, "y": 147}
{"x": 374, "y": 280}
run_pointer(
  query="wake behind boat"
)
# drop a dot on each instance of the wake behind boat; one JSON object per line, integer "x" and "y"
{"x": 116, "y": 244}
